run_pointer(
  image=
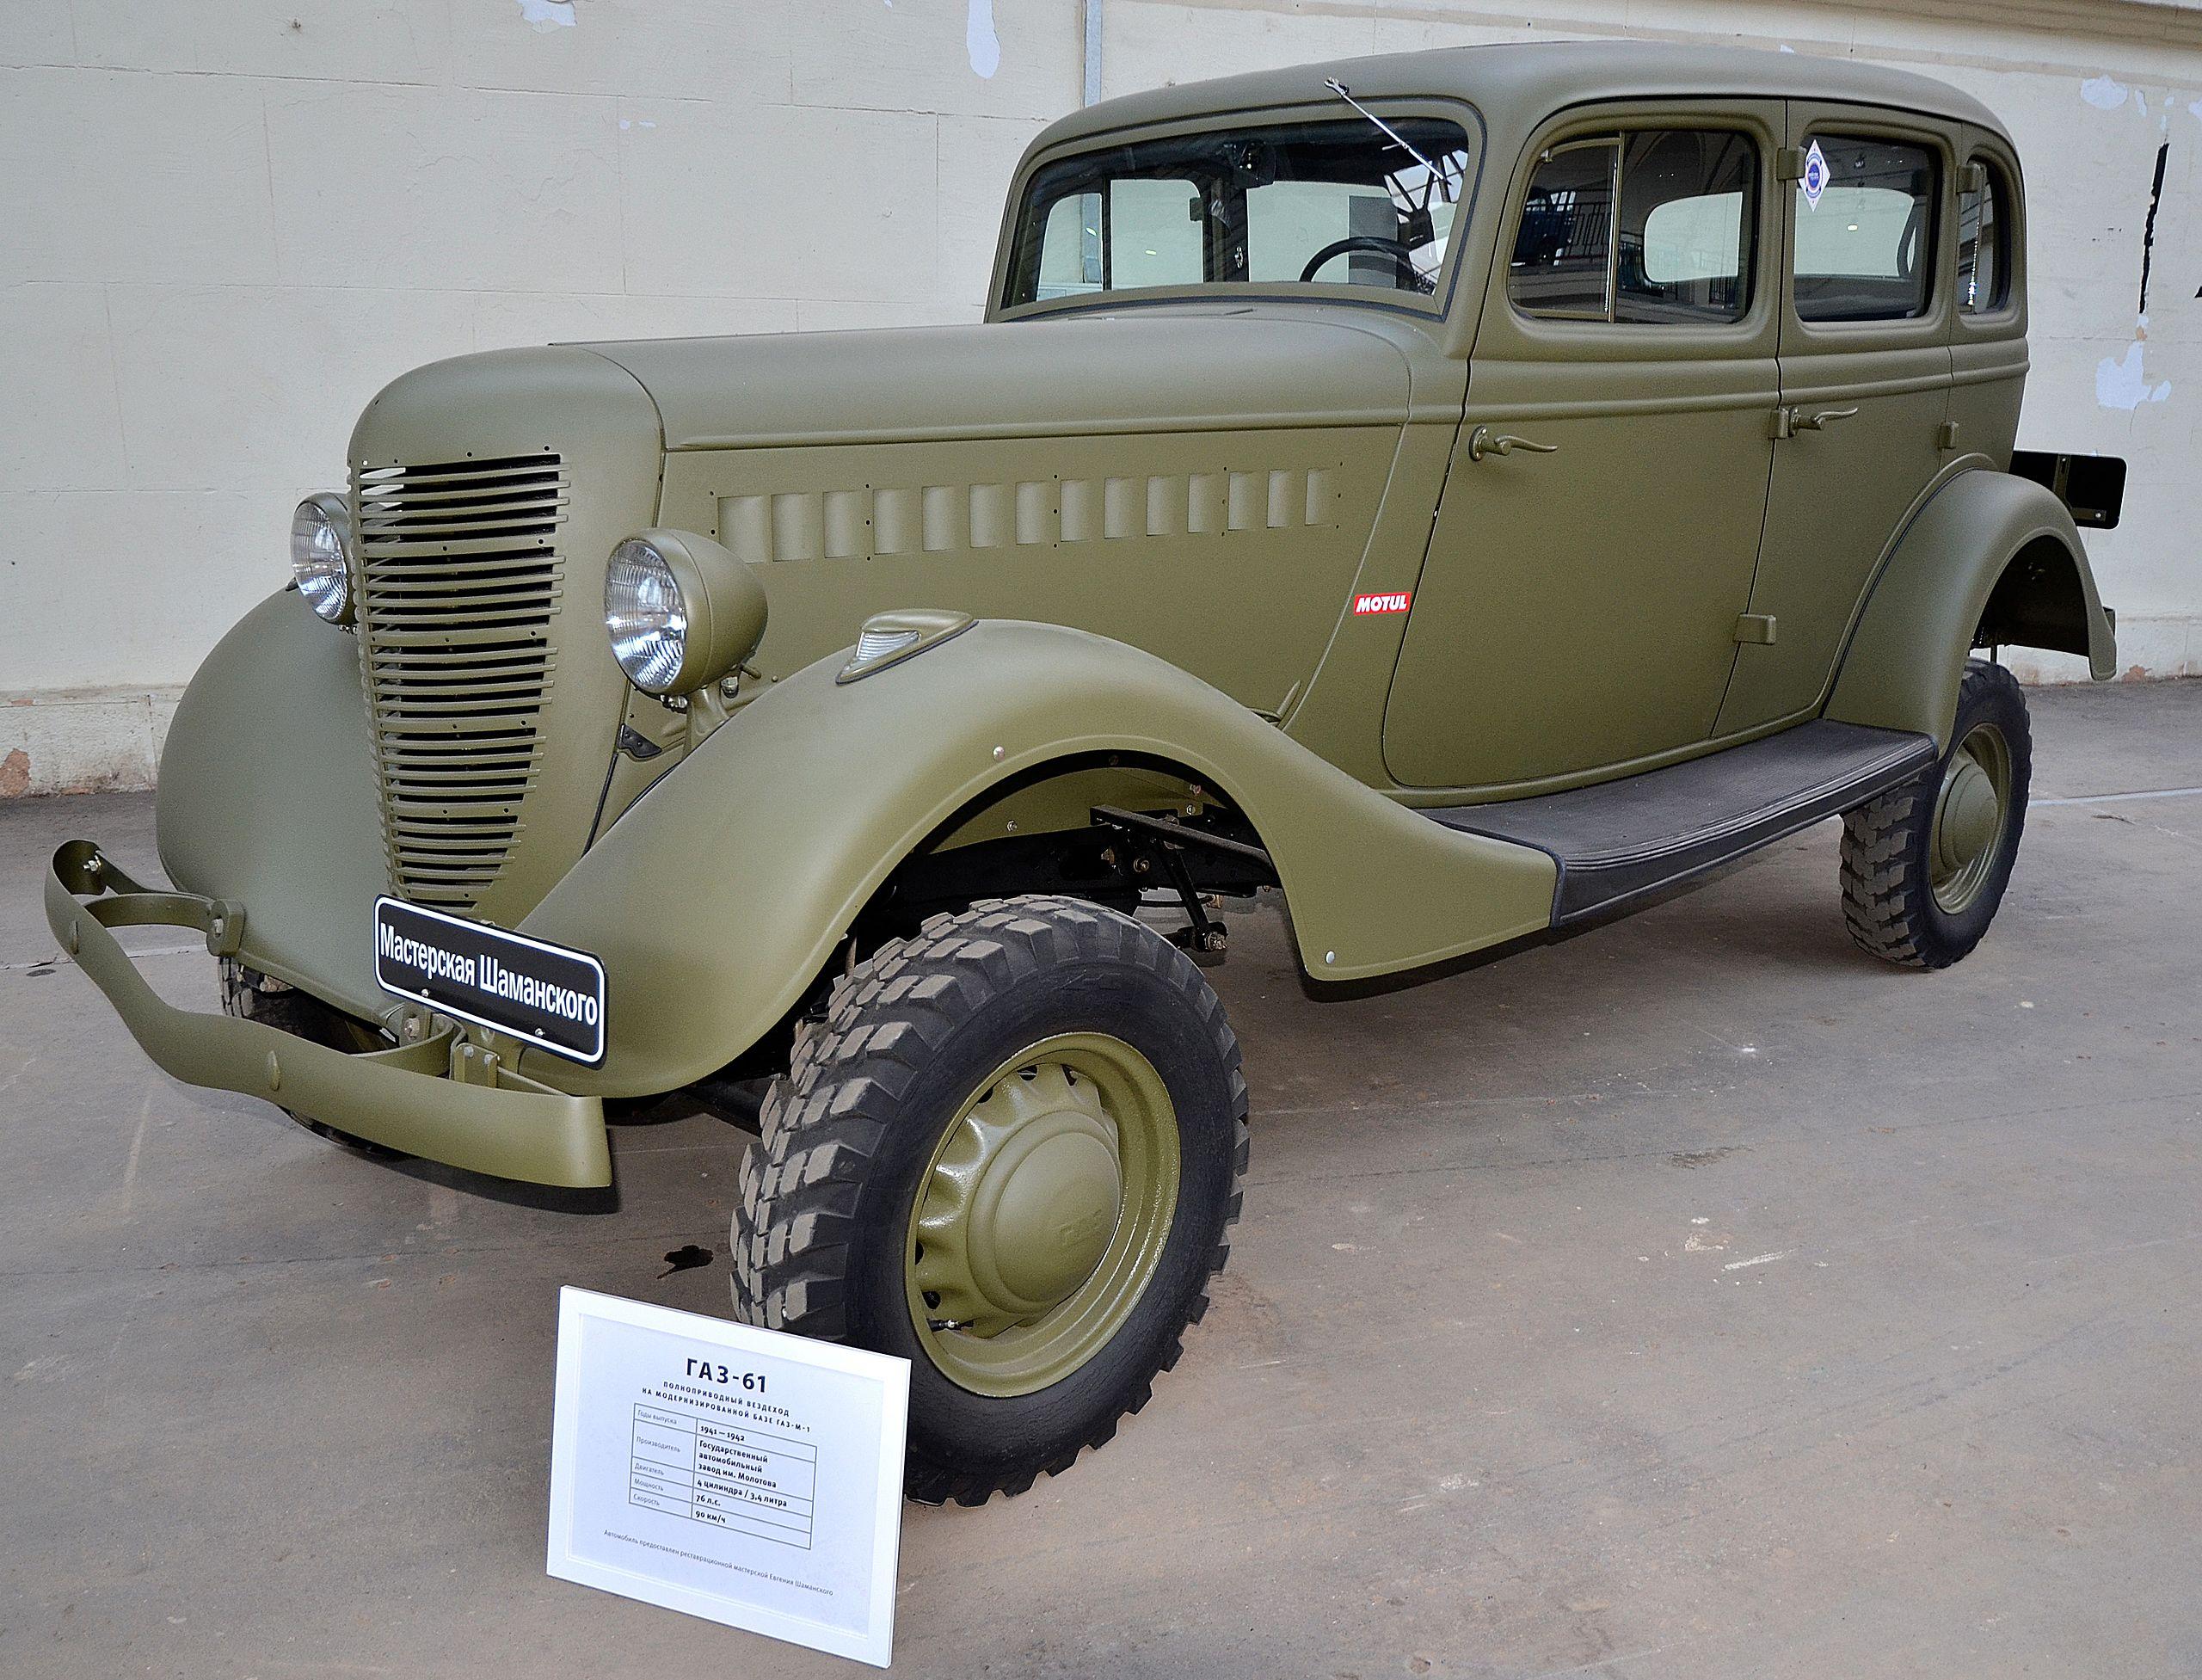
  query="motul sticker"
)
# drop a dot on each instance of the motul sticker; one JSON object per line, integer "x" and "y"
{"x": 1365, "y": 605}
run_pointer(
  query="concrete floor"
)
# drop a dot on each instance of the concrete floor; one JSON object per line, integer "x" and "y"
{"x": 1697, "y": 1298}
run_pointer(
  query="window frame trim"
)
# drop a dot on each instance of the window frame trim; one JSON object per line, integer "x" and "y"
{"x": 1504, "y": 254}
{"x": 1808, "y": 118}
{"x": 1998, "y": 172}
{"x": 1434, "y": 307}
{"x": 1617, "y": 140}
{"x": 1520, "y": 335}
{"x": 1942, "y": 203}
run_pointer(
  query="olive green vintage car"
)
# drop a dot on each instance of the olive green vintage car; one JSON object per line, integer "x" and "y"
{"x": 1468, "y": 493}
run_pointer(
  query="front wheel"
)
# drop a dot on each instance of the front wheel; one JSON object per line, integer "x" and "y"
{"x": 1009, "y": 1153}
{"x": 1925, "y": 864}
{"x": 251, "y": 995}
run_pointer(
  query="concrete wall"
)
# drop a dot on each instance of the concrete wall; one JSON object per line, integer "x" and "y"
{"x": 223, "y": 225}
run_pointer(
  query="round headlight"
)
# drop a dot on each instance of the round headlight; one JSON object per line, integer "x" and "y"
{"x": 681, "y": 611}
{"x": 321, "y": 555}
{"x": 648, "y": 620}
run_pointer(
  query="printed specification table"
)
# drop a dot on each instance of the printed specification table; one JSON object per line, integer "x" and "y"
{"x": 728, "y": 1476}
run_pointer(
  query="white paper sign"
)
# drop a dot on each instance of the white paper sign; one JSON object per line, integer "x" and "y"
{"x": 735, "y": 1474}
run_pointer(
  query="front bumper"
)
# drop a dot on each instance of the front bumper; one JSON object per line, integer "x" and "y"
{"x": 445, "y": 1097}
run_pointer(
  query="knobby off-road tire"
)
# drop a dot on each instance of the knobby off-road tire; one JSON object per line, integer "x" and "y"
{"x": 936, "y": 1168}
{"x": 1924, "y": 865}
{"x": 251, "y": 995}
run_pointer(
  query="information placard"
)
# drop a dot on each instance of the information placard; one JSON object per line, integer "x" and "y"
{"x": 740, "y": 1475}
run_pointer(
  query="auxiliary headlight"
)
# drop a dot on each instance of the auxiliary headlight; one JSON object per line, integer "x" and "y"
{"x": 321, "y": 554}
{"x": 680, "y": 610}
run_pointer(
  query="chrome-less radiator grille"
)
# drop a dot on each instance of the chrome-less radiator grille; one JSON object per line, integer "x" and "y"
{"x": 459, "y": 587}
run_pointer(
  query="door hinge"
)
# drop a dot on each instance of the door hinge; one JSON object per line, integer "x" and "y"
{"x": 1782, "y": 424}
{"x": 1789, "y": 163}
{"x": 1972, "y": 177}
{"x": 1947, "y": 437}
{"x": 1755, "y": 630}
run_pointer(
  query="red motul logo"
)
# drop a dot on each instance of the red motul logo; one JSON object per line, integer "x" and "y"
{"x": 1363, "y": 604}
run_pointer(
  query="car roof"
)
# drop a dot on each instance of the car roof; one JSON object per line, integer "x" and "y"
{"x": 1517, "y": 86}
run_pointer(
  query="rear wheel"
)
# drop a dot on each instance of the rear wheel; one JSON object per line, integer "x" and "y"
{"x": 251, "y": 995}
{"x": 1009, "y": 1153}
{"x": 1924, "y": 865}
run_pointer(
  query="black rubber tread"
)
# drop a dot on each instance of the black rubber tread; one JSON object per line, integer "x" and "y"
{"x": 797, "y": 1219}
{"x": 1888, "y": 896}
{"x": 251, "y": 995}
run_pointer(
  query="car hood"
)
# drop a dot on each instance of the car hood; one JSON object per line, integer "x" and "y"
{"x": 1141, "y": 371}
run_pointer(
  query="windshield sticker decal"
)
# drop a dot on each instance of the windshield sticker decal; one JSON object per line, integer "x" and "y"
{"x": 1815, "y": 176}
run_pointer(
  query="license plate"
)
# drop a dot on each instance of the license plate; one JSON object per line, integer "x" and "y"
{"x": 542, "y": 993}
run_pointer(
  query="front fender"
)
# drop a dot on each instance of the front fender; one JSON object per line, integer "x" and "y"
{"x": 267, "y": 796}
{"x": 1982, "y": 530}
{"x": 719, "y": 896}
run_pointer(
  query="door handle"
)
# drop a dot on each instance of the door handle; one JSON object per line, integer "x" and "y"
{"x": 1787, "y": 422}
{"x": 1484, "y": 441}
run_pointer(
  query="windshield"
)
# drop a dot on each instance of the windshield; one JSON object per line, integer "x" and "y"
{"x": 1333, "y": 203}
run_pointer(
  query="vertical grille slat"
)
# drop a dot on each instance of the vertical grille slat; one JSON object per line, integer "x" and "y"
{"x": 458, "y": 595}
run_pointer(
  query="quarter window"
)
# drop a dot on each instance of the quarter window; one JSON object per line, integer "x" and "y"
{"x": 1563, "y": 252}
{"x": 1863, "y": 246}
{"x": 1983, "y": 243}
{"x": 1653, "y": 226}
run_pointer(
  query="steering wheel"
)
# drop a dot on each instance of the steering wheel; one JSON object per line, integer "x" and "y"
{"x": 1402, "y": 259}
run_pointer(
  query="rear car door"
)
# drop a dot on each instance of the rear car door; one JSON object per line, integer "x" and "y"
{"x": 1988, "y": 329}
{"x": 1576, "y": 609}
{"x": 1865, "y": 388}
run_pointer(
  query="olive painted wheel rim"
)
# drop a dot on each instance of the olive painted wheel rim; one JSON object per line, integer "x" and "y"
{"x": 1972, "y": 814}
{"x": 1042, "y": 1216}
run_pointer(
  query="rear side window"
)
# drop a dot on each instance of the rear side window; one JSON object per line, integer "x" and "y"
{"x": 1866, "y": 237}
{"x": 1985, "y": 242}
{"x": 1654, "y": 226}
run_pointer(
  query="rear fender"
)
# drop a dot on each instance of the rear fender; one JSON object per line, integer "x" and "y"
{"x": 1991, "y": 558}
{"x": 716, "y": 900}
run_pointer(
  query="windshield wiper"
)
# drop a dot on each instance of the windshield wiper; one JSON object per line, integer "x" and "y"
{"x": 1397, "y": 138}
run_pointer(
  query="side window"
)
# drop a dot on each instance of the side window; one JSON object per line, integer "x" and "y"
{"x": 1864, "y": 240}
{"x": 1563, "y": 255}
{"x": 1688, "y": 199}
{"x": 1983, "y": 242}
{"x": 1653, "y": 226}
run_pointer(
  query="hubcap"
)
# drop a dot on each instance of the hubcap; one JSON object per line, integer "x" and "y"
{"x": 1043, "y": 1214}
{"x": 1971, "y": 812}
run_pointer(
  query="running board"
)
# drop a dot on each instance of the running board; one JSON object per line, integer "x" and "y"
{"x": 1618, "y": 841}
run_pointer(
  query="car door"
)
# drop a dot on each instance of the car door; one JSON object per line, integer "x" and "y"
{"x": 1865, "y": 387}
{"x": 1593, "y": 543}
{"x": 1988, "y": 325}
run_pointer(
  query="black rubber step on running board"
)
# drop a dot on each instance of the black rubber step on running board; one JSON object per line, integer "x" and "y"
{"x": 1618, "y": 839}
